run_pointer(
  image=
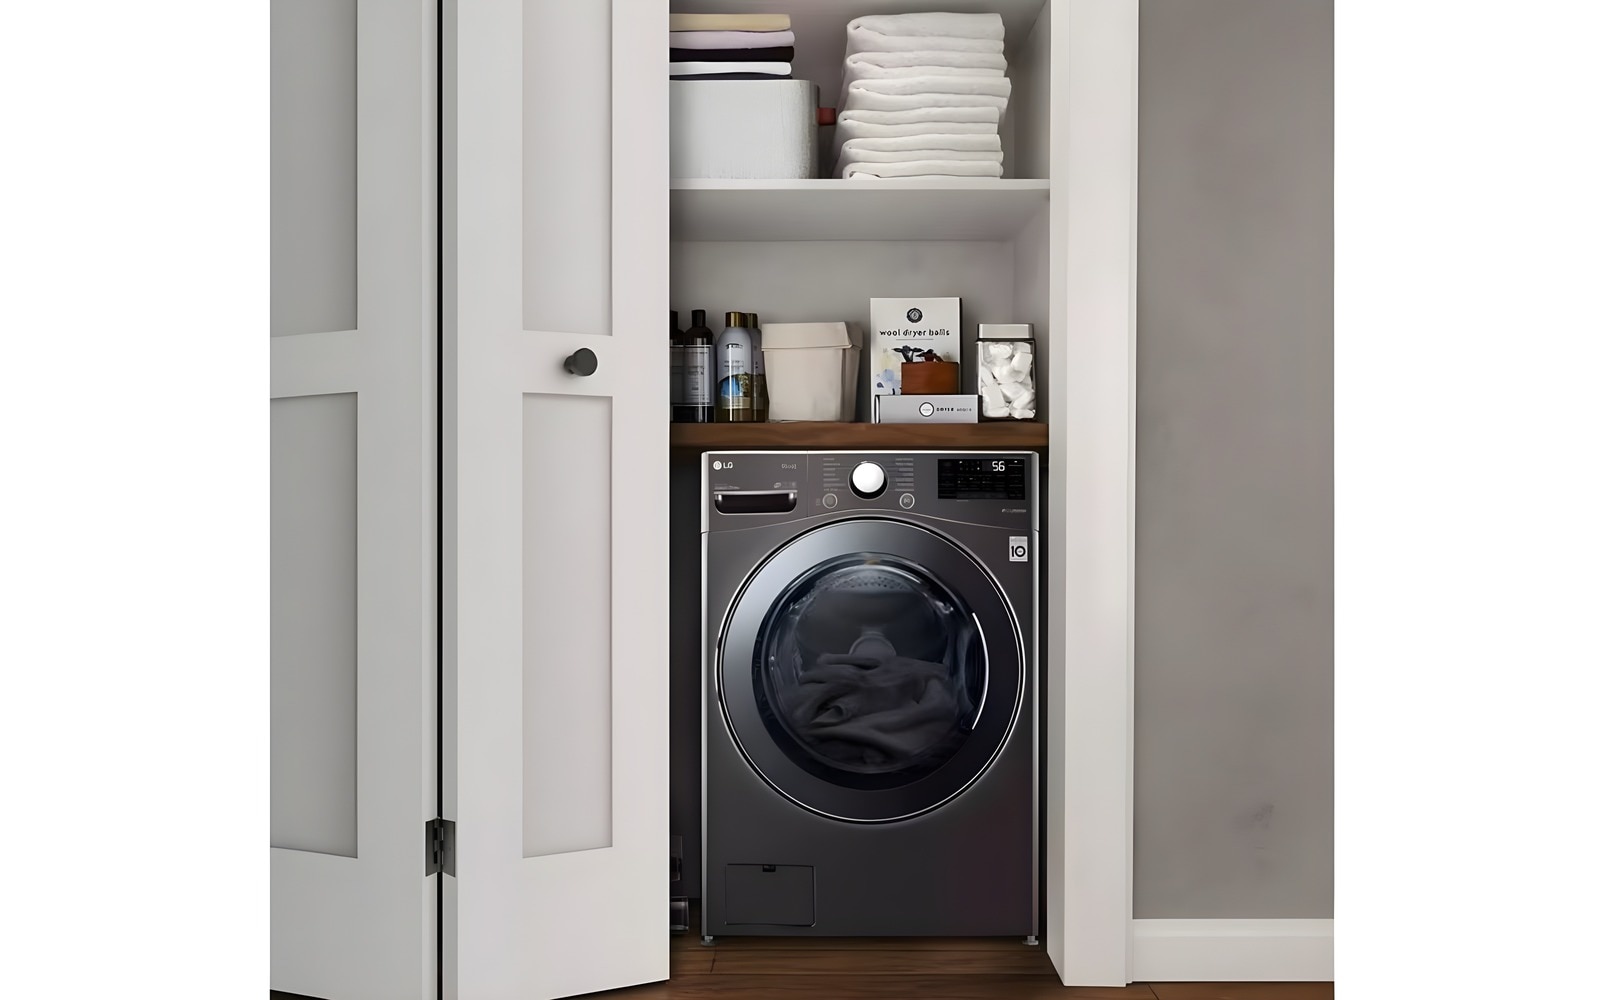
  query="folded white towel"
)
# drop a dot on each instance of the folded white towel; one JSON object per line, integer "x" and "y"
{"x": 868, "y": 101}
{"x": 988, "y": 26}
{"x": 902, "y": 149}
{"x": 848, "y": 128}
{"x": 912, "y": 155}
{"x": 730, "y": 39}
{"x": 910, "y": 116}
{"x": 927, "y": 92}
{"x": 890, "y": 144}
{"x": 866, "y": 71}
{"x": 866, "y": 40}
{"x": 929, "y": 58}
{"x": 916, "y": 135}
{"x": 876, "y": 159}
{"x": 992, "y": 86}
{"x": 708, "y": 68}
{"x": 923, "y": 168}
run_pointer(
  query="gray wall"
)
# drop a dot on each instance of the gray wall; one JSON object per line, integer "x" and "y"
{"x": 1233, "y": 813}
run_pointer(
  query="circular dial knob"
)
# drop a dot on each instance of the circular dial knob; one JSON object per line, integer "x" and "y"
{"x": 868, "y": 480}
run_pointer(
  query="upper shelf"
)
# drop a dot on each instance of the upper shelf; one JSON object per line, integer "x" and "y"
{"x": 943, "y": 208}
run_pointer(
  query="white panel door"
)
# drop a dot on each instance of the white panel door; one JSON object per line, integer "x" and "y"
{"x": 555, "y": 486}
{"x": 354, "y": 473}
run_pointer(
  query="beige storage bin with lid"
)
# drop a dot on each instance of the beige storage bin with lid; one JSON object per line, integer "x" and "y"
{"x": 811, "y": 370}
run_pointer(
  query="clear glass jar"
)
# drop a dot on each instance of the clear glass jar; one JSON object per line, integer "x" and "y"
{"x": 1007, "y": 389}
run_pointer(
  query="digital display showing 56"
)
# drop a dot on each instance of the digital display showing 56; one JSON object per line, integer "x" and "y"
{"x": 982, "y": 479}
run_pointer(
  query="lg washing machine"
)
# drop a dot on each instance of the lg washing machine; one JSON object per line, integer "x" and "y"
{"x": 869, "y": 727}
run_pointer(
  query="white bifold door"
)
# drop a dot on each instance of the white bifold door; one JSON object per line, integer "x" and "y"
{"x": 542, "y": 491}
{"x": 353, "y": 515}
{"x": 556, "y": 521}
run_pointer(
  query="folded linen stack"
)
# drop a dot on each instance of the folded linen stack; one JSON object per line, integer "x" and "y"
{"x": 922, "y": 96}
{"x": 731, "y": 47}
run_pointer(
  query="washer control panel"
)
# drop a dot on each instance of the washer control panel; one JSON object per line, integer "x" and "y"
{"x": 743, "y": 488}
{"x": 868, "y": 481}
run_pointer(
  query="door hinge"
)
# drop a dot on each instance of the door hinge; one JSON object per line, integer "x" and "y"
{"x": 439, "y": 846}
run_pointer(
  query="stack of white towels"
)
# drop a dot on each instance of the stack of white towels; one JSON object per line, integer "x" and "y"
{"x": 922, "y": 96}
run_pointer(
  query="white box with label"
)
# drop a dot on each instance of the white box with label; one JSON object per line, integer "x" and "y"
{"x": 925, "y": 409}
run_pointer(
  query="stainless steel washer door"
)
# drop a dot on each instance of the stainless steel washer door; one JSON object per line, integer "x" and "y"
{"x": 870, "y": 670}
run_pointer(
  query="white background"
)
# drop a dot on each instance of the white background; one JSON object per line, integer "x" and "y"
{"x": 133, "y": 546}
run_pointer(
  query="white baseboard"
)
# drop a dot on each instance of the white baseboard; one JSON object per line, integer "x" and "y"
{"x": 1232, "y": 951}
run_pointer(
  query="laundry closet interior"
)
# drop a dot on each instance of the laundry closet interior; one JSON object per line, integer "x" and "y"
{"x": 814, "y": 250}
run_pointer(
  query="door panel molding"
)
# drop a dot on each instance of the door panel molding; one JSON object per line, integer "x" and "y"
{"x": 314, "y": 593}
{"x": 567, "y": 624}
{"x": 314, "y": 140}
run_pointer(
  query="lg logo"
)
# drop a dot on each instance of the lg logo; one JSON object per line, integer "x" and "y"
{"x": 1019, "y": 548}
{"x": 719, "y": 466}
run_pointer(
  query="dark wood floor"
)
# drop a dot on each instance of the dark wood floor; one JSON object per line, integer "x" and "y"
{"x": 901, "y": 969}
{"x": 906, "y": 969}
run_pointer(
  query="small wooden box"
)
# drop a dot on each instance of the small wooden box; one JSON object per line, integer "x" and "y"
{"x": 930, "y": 378}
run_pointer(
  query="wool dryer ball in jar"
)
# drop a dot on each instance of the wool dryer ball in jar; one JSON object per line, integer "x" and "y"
{"x": 1005, "y": 371}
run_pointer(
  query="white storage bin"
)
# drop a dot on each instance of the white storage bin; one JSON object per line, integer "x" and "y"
{"x": 811, "y": 370}
{"x": 744, "y": 128}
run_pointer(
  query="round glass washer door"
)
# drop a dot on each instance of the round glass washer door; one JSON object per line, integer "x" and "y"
{"x": 870, "y": 670}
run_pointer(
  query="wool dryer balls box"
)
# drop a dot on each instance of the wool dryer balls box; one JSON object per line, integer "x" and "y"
{"x": 902, "y": 328}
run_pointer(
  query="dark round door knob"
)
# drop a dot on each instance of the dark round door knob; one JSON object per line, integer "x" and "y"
{"x": 582, "y": 362}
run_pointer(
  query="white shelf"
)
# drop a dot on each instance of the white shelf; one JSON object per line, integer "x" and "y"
{"x": 955, "y": 208}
